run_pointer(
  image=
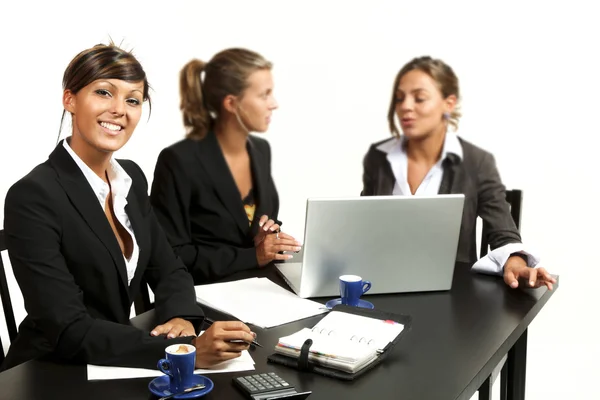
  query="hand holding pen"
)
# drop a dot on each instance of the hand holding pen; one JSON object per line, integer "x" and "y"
{"x": 222, "y": 341}
{"x": 210, "y": 322}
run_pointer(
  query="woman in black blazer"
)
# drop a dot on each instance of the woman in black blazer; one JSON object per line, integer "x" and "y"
{"x": 428, "y": 158}
{"x": 81, "y": 235}
{"x": 213, "y": 192}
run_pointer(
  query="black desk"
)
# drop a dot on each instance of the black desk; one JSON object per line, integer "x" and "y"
{"x": 457, "y": 339}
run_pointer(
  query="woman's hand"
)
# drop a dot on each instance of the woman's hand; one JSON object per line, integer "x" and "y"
{"x": 268, "y": 249}
{"x": 269, "y": 241}
{"x": 174, "y": 328}
{"x": 223, "y": 341}
{"x": 516, "y": 270}
{"x": 266, "y": 226}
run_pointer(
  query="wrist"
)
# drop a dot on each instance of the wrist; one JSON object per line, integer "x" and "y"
{"x": 518, "y": 255}
{"x": 515, "y": 260}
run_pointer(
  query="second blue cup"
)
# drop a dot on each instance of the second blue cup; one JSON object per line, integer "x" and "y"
{"x": 351, "y": 288}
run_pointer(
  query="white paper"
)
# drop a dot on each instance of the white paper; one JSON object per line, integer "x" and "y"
{"x": 99, "y": 372}
{"x": 257, "y": 301}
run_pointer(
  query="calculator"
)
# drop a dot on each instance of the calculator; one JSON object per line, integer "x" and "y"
{"x": 267, "y": 386}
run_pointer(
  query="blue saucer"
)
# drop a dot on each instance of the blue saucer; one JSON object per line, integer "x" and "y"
{"x": 160, "y": 387}
{"x": 361, "y": 303}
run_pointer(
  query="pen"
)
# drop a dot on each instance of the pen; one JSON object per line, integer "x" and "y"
{"x": 209, "y": 322}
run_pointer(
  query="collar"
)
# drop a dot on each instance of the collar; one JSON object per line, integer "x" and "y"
{"x": 120, "y": 181}
{"x": 451, "y": 147}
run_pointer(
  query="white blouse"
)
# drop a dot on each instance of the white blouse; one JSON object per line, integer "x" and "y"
{"x": 120, "y": 182}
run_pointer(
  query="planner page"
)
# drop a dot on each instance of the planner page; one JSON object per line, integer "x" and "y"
{"x": 373, "y": 332}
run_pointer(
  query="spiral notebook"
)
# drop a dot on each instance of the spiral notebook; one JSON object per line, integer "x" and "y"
{"x": 344, "y": 341}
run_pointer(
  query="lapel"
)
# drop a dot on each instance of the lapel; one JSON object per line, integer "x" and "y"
{"x": 216, "y": 168}
{"x": 260, "y": 177}
{"x": 452, "y": 175}
{"x": 84, "y": 199}
{"x": 136, "y": 219}
{"x": 386, "y": 178}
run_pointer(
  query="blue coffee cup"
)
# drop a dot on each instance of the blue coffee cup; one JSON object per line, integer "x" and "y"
{"x": 351, "y": 288}
{"x": 179, "y": 365}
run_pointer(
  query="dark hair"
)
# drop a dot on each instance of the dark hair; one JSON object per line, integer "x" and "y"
{"x": 441, "y": 73}
{"x": 103, "y": 61}
{"x": 226, "y": 73}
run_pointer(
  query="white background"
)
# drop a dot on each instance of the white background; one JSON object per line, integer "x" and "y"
{"x": 529, "y": 79}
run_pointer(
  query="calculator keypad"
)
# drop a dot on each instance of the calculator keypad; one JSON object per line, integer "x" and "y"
{"x": 262, "y": 382}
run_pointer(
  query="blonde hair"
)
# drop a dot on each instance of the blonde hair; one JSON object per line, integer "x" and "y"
{"x": 225, "y": 74}
{"x": 441, "y": 73}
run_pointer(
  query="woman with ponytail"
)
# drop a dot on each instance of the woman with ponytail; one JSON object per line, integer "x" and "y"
{"x": 212, "y": 191}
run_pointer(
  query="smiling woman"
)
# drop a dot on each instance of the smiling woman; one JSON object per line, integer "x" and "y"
{"x": 105, "y": 113}
{"x": 81, "y": 237}
{"x": 116, "y": 76}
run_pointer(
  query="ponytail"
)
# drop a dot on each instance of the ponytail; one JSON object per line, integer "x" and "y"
{"x": 196, "y": 117}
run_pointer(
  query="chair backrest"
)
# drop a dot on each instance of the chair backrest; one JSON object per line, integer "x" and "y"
{"x": 9, "y": 315}
{"x": 515, "y": 200}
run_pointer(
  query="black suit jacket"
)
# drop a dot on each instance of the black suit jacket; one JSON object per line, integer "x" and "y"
{"x": 72, "y": 274}
{"x": 200, "y": 208}
{"x": 476, "y": 176}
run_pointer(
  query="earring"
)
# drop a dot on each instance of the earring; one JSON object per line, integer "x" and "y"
{"x": 446, "y": 116}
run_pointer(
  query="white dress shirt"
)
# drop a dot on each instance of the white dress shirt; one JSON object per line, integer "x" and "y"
{"x": 120, "y": 183}
{"x": 493, "y": 262}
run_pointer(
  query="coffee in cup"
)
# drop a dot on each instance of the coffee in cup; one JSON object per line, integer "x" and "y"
{"x": 179, "y": 364}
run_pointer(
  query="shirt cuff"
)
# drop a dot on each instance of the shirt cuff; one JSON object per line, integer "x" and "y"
{"x": 493, "y": 262}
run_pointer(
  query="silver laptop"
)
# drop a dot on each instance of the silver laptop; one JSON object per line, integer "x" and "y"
{"x": 399, "y": 243}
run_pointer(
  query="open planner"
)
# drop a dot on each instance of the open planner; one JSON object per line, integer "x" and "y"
{"x": 344, "y": 344}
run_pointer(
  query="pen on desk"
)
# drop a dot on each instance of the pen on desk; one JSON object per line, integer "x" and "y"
{"x": 209, "y": 322}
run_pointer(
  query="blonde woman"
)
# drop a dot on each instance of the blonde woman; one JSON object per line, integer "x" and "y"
{"x": 213, "y": 192}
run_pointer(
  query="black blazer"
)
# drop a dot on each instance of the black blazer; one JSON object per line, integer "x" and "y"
{"x": 476, "y": 176}
{"x": 72, "y": 274}
{"x": 200, "y": 208}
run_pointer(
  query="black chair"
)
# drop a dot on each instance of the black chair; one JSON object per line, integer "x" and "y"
{"x": 515, "y": 200}
{"x": 9, "y": 315}
{"x": 142, "y": 301}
